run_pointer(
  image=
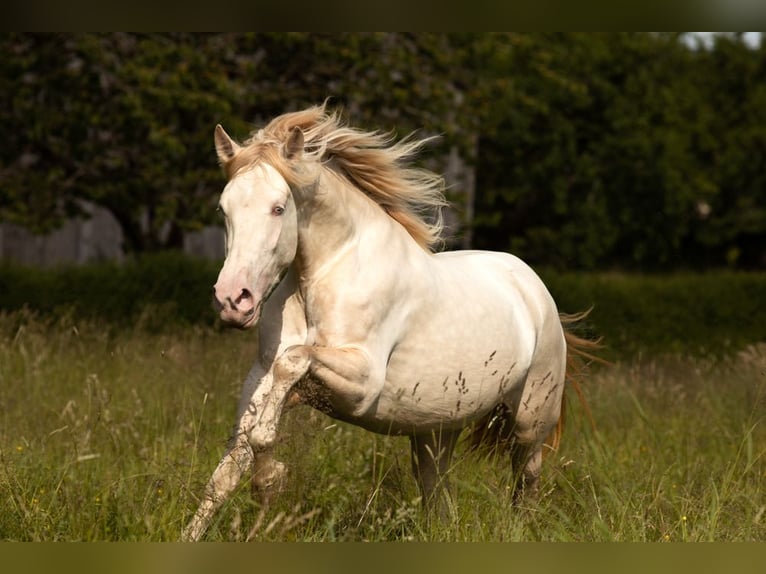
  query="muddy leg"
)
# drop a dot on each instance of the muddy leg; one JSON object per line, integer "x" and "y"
{"x": 237, "y": 460}
{"x": 253, "y": 441}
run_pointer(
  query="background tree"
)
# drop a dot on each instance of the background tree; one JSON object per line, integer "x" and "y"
{"x": 119, "y": 120}
{"x": 595, "y": 160}
{"x": 125, "y": 120}
{"x": 733, "y": 77}
{"x": 632, "y": 151}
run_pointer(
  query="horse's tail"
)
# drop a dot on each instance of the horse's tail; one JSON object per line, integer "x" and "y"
{"x": 495, "y": 431}
{"x": 580, "y": 353}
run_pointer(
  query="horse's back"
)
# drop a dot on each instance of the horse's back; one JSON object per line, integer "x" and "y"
{"x": 508, "y": 270}
{"x": 500, "y": 280}
{"x": 506, "y": 287}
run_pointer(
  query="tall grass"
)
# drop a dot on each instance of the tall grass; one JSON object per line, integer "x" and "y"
{"x": 101, "y": 431}
{"x": 110, "y": 434}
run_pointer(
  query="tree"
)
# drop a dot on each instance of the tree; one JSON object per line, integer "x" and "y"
{"x": 627, "y": 150}
{"x": 540, "y": 195}
{"x": 125, "y": 120}
{"x": 733, "y": 74}
{"x": 594, "y": 160}
{"x": 119, "y": 120}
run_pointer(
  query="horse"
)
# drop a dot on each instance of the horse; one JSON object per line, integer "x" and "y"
{"x": 331, "y": 236}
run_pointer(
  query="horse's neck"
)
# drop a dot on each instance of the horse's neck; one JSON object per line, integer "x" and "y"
{"x": 332, "y": 220}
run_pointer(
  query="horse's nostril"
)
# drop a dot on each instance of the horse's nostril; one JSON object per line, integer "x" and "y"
{"x": 244, "y": 296}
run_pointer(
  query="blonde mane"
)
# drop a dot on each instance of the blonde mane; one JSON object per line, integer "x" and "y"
{"x": 371, "y": 161}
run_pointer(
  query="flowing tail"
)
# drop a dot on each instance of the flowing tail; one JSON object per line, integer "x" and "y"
{"x": 581, "y": 352}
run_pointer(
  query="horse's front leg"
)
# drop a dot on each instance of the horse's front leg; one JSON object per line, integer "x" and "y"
{"x": 253, "y": 441}
{"x": 237, "y": 460}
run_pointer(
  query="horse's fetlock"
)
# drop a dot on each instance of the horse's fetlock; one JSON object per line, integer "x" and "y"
{"x": 269, "y": 475}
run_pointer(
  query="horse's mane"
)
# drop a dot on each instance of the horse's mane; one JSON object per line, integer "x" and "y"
{"x": 372, "y": 161}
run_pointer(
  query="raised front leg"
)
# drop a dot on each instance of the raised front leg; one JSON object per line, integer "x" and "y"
{"x": 237, "y": 460}
{"x": 344, "y": 372}
{"x": 253, "y": 441}
{"x": 349, "y": 376}
{"x": 431, "y": 459}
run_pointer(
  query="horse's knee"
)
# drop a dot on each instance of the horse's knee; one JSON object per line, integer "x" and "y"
{"x": 530, "y": 431}
{"x": 292, "y": 364}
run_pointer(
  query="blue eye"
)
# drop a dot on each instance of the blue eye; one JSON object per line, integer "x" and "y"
{"x": 278, "y": 210}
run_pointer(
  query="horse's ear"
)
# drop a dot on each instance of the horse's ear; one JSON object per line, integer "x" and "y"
{"x": 226, "y": 147}
{"x": 294, "y": 144}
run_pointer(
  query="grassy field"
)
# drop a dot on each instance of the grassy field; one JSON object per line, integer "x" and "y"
{"x": 110, "y": 434}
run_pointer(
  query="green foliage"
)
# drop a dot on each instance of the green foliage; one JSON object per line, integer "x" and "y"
{"x": 591, "y": 151}
{"x": 737, "y": 222}
{"x": 126, "y": 120}
{"x": 599, "y": 157}
{"x": 697, "y": 313}
{"x": 159, "y": 291}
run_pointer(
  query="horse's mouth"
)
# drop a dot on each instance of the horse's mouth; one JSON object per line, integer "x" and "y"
{"x": 238, "y": 320}
{"x": 252, "y": 318}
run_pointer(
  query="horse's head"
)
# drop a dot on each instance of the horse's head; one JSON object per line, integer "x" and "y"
{"x": 261, "y": 233}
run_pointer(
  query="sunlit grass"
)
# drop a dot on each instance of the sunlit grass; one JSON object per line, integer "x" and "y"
{"x": 111, "y": 435}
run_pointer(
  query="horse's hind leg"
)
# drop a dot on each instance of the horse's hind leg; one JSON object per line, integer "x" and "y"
{"x": 527, "y": 462}
{"x": 431, "y": 459}
{"x": 535, "y": 414}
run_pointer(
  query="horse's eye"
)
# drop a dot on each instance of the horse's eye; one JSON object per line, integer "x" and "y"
{"x": 278, "y": 210}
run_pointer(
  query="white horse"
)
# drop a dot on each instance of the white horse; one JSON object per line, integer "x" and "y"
{"x": 328, "y": 251}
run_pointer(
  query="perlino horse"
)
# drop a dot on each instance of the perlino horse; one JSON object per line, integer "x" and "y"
{"x": 329, "y": 253}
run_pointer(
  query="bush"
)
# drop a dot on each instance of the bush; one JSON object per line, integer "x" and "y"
{"x": 156, "y": 289}
{"x": 701, "y": 314}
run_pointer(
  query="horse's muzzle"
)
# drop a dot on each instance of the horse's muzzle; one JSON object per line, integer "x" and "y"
{"x": 238, "y": 311}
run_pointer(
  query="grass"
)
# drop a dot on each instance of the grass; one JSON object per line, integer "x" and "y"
{"x": 110, "y": 434}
